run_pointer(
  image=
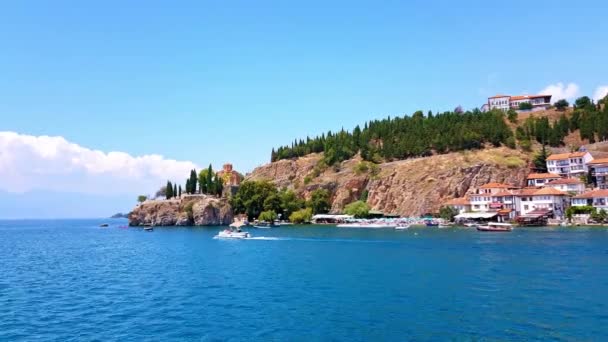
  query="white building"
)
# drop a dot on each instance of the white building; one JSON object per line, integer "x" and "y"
{"x": 462, "y": 204}
{"x": 482, "y": 199}
{"x": 572, "y": 186}
{"x": 506, "y": 102}
{"x": 540, "y": 179}
{"x": 599, "y": 170}
{"x": 551, "y": 201}
{"x": 569, "y": 165}
{"x": 595, "y": 198}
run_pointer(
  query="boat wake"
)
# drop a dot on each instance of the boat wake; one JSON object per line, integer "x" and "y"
{"x": 268, "y": 238}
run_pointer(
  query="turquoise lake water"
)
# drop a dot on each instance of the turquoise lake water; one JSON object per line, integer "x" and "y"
{"x": 71, "y": 280}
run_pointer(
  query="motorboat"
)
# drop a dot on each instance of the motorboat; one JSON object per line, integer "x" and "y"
{"x": 444, "y": 225}
{"x": 366, "y": 225}
{"x": 104, "y": 225}
{"x": 148, "y": 228}
{"x": 263, "y": 225}
{"x": 495, "y": 227}
{"x": 402, "y": 227}
{"x": 471, "y": 225}
{"x": 233, "y": 234}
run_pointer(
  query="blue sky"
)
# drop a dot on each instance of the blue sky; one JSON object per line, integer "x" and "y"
{"x": 226, "y": 81}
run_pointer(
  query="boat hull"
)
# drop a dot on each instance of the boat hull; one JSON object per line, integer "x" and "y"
{"x": 494, "y": 229}
{"x": 233, "y": 235}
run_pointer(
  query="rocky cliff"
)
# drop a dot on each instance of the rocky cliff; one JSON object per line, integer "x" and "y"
{"x": 186, "y": 211}
{"x": 409, "y": 187}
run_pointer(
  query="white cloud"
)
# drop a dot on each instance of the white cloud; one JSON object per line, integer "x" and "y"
{"x": 53, "y": 163}
{"x": 559, "y": 91}
{"x": 600, "y": 92}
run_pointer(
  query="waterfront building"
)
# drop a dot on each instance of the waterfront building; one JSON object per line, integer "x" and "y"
{"x": 573, "y": 186}
{"x": 462, "y": 204}
{"x": 569, "y": 165}
{"x": 506, "y": 102}
{"x": 540, "y": 179}
{"x": 597, "y": 198}
{"x": 482, "y": 199}
{"x": 547, "y": 201}
{"x": 599, "y": 172}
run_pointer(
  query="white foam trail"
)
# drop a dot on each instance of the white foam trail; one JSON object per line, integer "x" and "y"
{"x": 265, "y": 238}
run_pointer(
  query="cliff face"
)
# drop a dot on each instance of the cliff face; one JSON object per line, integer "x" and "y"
{"x": 187, "y": 211}
{"x": 409, "y": 187}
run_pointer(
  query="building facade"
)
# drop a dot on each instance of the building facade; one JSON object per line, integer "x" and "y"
{"x": 569, "y": 165}
{"x": 540, "y": 179}
{"x": 506, "y": 102}
{"x": 595, "y": 198}
{"x": 572, "y": 186}
{"x": 552, "y": 201}
{"x": 599, "y": 172}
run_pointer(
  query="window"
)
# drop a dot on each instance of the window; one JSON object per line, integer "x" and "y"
{"x": 526, "y": 207}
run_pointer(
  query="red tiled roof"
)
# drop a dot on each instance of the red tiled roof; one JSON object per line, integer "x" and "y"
{"x": 496, "y": 186}
{"x": 543, "y": 176}
{"x": 561, "y": 156}
{"x": 593, "y": 194}
{"x": 497, "y": 96}
{"x": 458, "y": 201}
{"x": 523, "y": 97}
{"x": 550, "y": 191}
{"x": 599, "y": 161}
{"x": 565, "y": 181}
{"x": 503, "y": 194}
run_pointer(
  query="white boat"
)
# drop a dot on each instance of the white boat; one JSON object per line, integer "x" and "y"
{"x": 402, "y": 227}
{"x": 231, "y": 234}
{"x": 366, "y": 225}
{"x": 262, "y": 225}
{"x": 442, "y": 225}
{"x": 471, "y": 225}
{"x": 148, "y": 228}
{"x": 496, "y": 227}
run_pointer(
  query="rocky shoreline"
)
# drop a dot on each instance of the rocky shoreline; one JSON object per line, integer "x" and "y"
{"x": 189, "y": 210}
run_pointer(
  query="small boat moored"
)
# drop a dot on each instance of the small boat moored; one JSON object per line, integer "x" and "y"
{"x": 402, "y": 227}
{"x": 495, "y": 227}
{"x": 148, "y": 228}
{"x": 104, "y": 225}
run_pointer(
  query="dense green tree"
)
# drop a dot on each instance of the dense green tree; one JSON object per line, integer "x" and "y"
{"x": 583, "y": 102}
{"x": 219, "y": 185}
{"x": 251, "y": 196}
{"x": 512, "y": 115}
{"x": 320, "y": 201}
{"x": 525, "y": 106}
{"x": 301, "y": 216}
{"x": 289, "y": 202}
{"x": 358, "y": 209}
{"x": 405, "y": 137}
{"x": 267, "y": 216}
{"x": 188, "y": 186}
{"x": 561, "y": 104}
{"x": 142, "y": 198}
{"x": 448, "y": 213}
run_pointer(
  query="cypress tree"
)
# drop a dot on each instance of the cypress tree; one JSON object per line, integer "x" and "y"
{"x": 209, "y": 180}
{"x": 169, "y": 190}
{"x": 174, "y": 189}
{"x": 179, "y": 191}
{"x": 188, "y": 188}
{"x": 193, "y": 180}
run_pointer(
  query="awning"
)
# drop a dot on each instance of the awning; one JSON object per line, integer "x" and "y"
{"x": 538, "y": 213}
{"x": 504, "y": 211}
{"x": 475, "y": 215}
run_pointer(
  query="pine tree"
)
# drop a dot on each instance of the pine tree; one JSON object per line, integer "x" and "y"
{"x": 179, "y": 191}
{"x": 188, "y": 187}
{"x": 174, "y": 189}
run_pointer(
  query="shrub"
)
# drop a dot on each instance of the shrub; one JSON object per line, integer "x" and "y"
{"x": 268, "y": 216}
{"x": 301, "y": 216}
{"x": 358, "y": 209}
{"x": 525, "y": 106}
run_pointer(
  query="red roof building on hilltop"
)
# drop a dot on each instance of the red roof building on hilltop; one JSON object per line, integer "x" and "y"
{"x": 506, "y": 102}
